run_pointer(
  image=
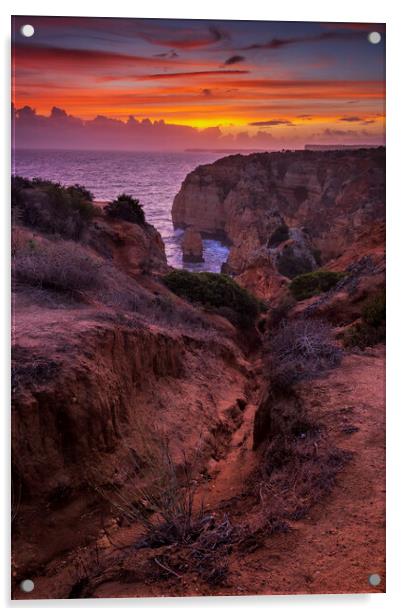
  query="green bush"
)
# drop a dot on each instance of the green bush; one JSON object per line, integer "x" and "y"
{"x": 371, "y": 330}
{"x": 362, "y": 335}
{"x": 373, "y": 312}
{"x": 51, "y": 207}
{"x": 314, "y": 283}
{"x": 80, "y": 192}
{"x": 215, "y": 291}
{"x": 126, "y": 208}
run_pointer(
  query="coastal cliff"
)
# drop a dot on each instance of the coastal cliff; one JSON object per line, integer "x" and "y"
{"x": 115, "y": 354}
{"x": 295, "y": 210}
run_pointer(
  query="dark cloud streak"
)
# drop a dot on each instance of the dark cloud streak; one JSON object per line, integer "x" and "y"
{"x": 277, "y": 43}
{"x": 234, "y": 60}
{"x": 272, "y": 123}
{"x": 351, "y": 119}
{"x": 190, "y": 74}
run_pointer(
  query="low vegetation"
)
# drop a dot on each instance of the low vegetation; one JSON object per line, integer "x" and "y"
{"x": 371, "y": 330}
{"x": 60, "y": 266}
{"x": 159, "y": 495}
{"x": 298, "y": 462}
{"x": 299, "y": 467}
{"x": 300, "y": 349}
{"x": 313, "y": 283}
{"x": 50, "y": 207}
{"x": 291, "y": 264}
{"x": 125, "y": 207}
{"x": 217, "y": 292}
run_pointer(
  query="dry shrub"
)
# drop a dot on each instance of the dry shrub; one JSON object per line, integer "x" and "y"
{"x": 159, "y": 493}
{"x": 61, "y": 266}
{"x": 300, "y": 349}
{"x": 206, "y": 556}
{"x": 299, "y": 464}
{"x": 296, "y": 473}
{"x": 18, "y": 239}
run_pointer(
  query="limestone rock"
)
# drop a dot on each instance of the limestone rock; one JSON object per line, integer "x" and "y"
{"x": 192, "y": 246}
{"x": 325, "y": 199}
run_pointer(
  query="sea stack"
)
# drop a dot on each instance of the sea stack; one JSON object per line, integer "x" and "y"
{"x": 192, "y": 246}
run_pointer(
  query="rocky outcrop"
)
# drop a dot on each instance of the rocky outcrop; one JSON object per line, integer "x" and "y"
{"x": 325, "y": 199}
{"x": 134, "y": 248}
{"x": 191, "y": 245}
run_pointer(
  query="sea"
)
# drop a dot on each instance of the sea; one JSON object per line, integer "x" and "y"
{"x": 152, "y": 177}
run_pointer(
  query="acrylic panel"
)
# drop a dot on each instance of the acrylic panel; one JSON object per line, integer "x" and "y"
{"x": 198, "y": 277}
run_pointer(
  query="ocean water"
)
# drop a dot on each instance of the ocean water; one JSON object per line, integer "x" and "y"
{"x": 152, "y": 177}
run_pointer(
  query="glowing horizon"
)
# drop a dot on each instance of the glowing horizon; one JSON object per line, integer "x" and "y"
{"x": 291, "y": 82}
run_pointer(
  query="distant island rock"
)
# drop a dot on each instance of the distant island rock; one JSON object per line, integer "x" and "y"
{"x": 192, "y": 246}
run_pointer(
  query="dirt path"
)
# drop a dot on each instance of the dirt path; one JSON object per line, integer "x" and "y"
{"x": 342, "y": 541}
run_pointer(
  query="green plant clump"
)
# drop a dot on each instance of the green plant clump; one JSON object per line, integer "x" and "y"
{"x": 373, "y": 312}
{"x": 313, "y": 283}
{"x": 125, "y": 207}
{"x": 215, "y": 291}
{"x": 51, "y": 207}
{"x": 371, "y": 330}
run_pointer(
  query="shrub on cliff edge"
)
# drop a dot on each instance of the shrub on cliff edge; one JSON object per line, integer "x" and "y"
{"x": 215, "y": 291}
{"x": 126, "y": 208}
{"x": 371, "y": 330}
{"x": 314, "y": 283}
{"x": 51, "y": 207}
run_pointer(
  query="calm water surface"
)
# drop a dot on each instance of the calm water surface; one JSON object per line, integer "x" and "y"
{"x": 152, "y": 177}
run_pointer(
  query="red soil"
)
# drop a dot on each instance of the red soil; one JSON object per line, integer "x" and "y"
{"x": 332, "y": 550}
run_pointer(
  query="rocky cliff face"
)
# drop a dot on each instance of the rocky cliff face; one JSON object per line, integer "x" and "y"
{"x": 322, "y": 202}
{"x": 135, "y": 248}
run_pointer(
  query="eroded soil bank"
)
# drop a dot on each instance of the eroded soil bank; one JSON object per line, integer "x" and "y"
{"x": 332, "y": 548}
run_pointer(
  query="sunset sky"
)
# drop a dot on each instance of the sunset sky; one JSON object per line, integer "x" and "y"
{"x": 284, "y": 83}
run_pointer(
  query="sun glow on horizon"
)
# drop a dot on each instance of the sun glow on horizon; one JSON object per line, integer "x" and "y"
{"x": 254, "y": 78}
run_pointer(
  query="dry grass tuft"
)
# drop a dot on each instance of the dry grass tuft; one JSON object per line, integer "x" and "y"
{"x": 60, "y": 266}
{"x": 300, "y": 349}
{"x": 159, "y": 494}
